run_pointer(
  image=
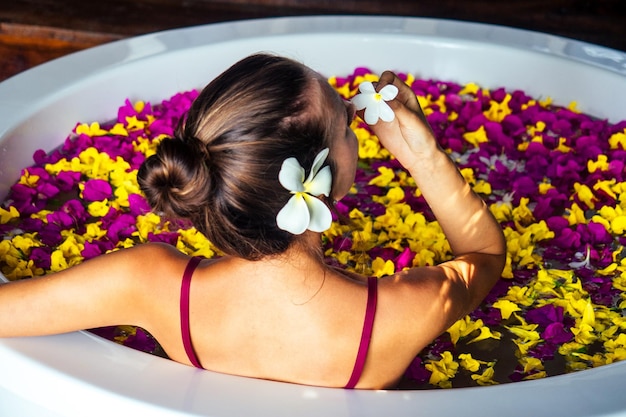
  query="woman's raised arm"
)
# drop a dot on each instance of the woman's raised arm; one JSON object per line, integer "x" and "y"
{"x": 475, "y": 237}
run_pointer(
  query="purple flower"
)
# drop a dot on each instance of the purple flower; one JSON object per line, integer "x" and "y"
{"x": 41, "y": 257}
{"x": 556, "y": 333}
{"x": 67, "y": 180}
{"x": 50, "y": 235}
{"x": 545, "y": 315}
{"x": 567, "y": 239}
{"x": 166, "y": 237}
{"x": 96, "y": 190}
{"x": 417, "y": 371}
{"x": 138, "y": 205}
{"x": 121, "y": 228}
{"x": 404, "y": 260}
{"x": 594, "y": 233}
{"x": 91, "y": 250}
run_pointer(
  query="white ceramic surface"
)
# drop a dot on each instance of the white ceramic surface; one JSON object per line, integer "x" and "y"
{"x": 79, "y": 374}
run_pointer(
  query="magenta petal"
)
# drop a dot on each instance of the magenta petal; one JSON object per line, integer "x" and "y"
{"x": 556, "y": 333}
{"x": 96, "y": 190}
{"x": 138, "y": 205}
{"x": 598, "y": 232}
{"x": 417, "y": 371}
{"x": 67, "y": 180}
{"x": 41, "y": 257}
{"x": 545, "y": 315}
{"x": 91, "y": 250}
{"x": 404, "y": 260}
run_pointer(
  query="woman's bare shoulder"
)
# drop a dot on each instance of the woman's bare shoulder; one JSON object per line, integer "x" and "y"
{"x": 427, "y": 299}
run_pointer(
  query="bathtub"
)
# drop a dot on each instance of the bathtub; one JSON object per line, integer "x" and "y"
{"x": 79, "y": 374}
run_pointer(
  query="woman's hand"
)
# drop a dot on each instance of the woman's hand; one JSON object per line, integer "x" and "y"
{"x": 408, "y": 137}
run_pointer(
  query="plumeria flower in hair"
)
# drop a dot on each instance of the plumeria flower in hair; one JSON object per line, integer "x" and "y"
{"x": 304, "y": 210}
{"x": 374, "y": 102}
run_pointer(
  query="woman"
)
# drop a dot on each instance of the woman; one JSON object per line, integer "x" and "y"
{"x": 264, "y": 151}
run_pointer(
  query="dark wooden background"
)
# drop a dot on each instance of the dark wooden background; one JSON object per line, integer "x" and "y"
{"x": 35, "y": 31}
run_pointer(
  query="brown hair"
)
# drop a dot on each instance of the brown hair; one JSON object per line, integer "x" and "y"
{"x": 221, "y": 168}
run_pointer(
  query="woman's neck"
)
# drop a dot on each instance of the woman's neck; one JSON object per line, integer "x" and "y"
{"x": 300, "y": 269}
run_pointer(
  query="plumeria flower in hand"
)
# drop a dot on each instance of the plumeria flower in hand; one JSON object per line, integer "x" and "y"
{"x": 304, "y": 210}
{"x": 374, "y": 102}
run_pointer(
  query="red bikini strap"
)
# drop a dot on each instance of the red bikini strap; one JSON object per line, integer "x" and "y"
{"x": 184, "y": 311}
{"x": 368, "y": 324}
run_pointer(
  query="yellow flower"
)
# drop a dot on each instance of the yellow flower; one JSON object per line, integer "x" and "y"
{"x": 585, "y": 195}
{"x": 132, "y": 123}
{"x": 522, "y": 213}
{"x": 486, "y": 333}
{"x": 98, "y": 208}
{"x": 369, "y": 146}
{"x": 545, "y": 187}
{"x": 194, "y": 243}
{"x": 536, "y": 375}
{"x": 498, "y": 111}
{"x": 365, "y": 77}
{"x": 546, "y": 102}
{"x": 618, "y": 140}
{"x": 573, "y": 106}
{"x": 381, "y": 267}
{"x": 562, "y": 147}
{"x": 606, "y": 186}
{"x": 467, "y": 362}
{"x": 29, "y": 180}
{"x": 470, "y": 88}
{"x": 486, "y": 378}
{"x": 24, "y": 243}
{"x": 576, "y": 215}
{"x": 520, "y": 295}
{"x": 442, "y": 370}
{"x": 601, "y": 164}
{"x": 90, "y": 129}
{"x": 344, "y": 91}
{"x": 584, "y": 330}
{"x": 94, "y": 231}
{"x": 502, "y": 211}
{"x": 119, "y": 130}
{"x": 525, "y": 333}
{"x": 71, "y": 249}
{"x": 58, "y": 261}
{"x": 8, "y": 215}
{"x": 477, "y": 137}
{"x": 147, "y": 223}
{"x": 463, "y": 327}
{"x": 506, "y": 308}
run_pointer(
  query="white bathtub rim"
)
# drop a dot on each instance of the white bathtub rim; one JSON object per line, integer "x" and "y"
{"x": 567, "y": 391}
{"x": 339, "y": 402}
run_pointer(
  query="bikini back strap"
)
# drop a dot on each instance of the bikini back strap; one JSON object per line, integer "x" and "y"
{"x": 368, "y": 324}
{"x": 184, "y": 311}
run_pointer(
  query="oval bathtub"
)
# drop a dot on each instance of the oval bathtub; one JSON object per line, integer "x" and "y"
{"x": 80, "y": 374}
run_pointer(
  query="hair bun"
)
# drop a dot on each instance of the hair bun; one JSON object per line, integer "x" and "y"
{"x": 175, "y": 180}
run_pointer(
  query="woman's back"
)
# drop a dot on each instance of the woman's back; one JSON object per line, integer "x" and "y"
{"x": 257, "y": 319}
{"x": 297, "y": 322}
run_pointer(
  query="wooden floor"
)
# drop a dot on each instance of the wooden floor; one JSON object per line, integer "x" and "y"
{"x": 35, "y": 31}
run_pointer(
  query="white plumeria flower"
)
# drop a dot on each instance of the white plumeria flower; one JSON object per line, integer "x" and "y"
{"x": 374, "y": 102}
{"x": 304, "y": 210}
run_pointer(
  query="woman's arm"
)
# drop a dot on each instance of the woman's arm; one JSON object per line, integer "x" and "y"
{"x": 475, "y": 237}
{"x": 107, "y": 290}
